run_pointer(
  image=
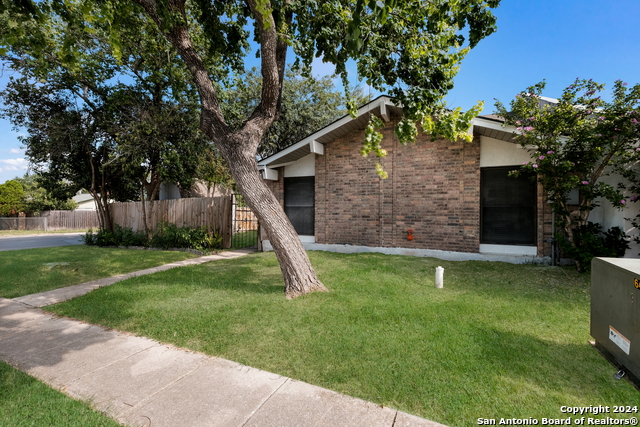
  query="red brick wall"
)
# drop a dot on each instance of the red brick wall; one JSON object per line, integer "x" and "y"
{"x": 277, "y": 187}
{"x": 432, "y": 189}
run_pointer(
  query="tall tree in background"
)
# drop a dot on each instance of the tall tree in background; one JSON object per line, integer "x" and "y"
{"x": 213, "y": 172}
{"x": 11, "y": 198}
{"x": 410, "y": 49}
{"x": 307, "y": 104}
{"x": 38, "y": 199}
{"x": 67, "y": 144}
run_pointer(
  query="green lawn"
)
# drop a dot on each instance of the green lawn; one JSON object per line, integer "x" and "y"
{"x": 244, "y": 239}
{"x": 25, "y": 401}
{"x": 30, "y": 271}
{"x": 499, "y": 340}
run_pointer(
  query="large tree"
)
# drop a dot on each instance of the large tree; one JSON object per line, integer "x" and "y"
{"x": 67, "y": 144}
{"x": 410, "y": 49}
{"x": 117, "y": 123}
{"x": 575, "y": 142}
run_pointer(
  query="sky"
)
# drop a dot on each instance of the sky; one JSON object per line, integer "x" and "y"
{"x": 553, "y": 40}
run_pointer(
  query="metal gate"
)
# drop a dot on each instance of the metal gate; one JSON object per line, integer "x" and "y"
{"x": 245, "y": 227}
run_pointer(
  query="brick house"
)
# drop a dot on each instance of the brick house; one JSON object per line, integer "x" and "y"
{"x": 443, "y": 195}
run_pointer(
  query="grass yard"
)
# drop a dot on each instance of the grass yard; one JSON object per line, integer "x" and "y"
{"x": 499, "y": 340}
{"x": 244, "y": 239}
{"x": 25, "y": 401}
{"x": 29, "y": 271}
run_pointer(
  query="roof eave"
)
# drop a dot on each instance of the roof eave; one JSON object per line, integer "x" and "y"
{"x": 311, "y": 143}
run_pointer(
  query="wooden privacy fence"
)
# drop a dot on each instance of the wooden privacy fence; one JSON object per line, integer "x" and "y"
{"x": 70, "y": 220}
{"x": 23, "y": 223}
{"x": 245, "y": 220}
{"x": 211, "y": 212}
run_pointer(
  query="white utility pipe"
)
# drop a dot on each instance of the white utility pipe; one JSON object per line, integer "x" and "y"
{"x": 439, "y": 277}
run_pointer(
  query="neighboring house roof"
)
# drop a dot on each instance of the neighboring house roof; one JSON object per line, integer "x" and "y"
{"x": 85, "y": 201}
{"x": 489, "y": 125}
{"x": 83, "y": 197}
{"x": 543, "y": 101}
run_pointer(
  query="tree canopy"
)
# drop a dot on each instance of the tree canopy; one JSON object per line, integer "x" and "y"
{"x": 115, "y": 121}
{"x": 575, "y": 143}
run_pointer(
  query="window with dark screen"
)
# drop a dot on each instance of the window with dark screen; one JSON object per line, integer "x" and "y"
{"x": 299, "y": 201}
{"x": 507, "y": 207}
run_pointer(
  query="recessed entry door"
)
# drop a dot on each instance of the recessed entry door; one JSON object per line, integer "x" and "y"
{"x": 508, "y": 207}
{"x": 299, "y": 203}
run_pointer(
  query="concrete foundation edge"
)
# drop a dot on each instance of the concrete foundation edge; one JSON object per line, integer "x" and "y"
{"x": 432, "y": 253}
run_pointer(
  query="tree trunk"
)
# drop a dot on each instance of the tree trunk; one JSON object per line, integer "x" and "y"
{"x": 239, "y": 148}
{"x": 573, "y": 220}
{"x": 144, "y": 212}
{"x": 299, "y": 276}
{"x": 108, "y": 221}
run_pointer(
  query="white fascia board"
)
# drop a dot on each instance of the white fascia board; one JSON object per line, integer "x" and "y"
{"x": 267, "y": 173}
{"x": 316, "y": 148}
{"x": 279, "y": 165}
{"x": 383, "y": 100}
{"x": 283, "y": 153}
{"x": 384, "y": 113}
{"x": 490, "y": 124}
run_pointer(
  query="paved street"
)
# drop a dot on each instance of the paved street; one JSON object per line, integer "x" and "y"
{"x": 10, "y": 243}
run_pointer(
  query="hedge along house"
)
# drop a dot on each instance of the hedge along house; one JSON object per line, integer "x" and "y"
{"x": 448, "y": 199}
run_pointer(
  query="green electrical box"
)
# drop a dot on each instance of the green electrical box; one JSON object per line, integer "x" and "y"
{"x": 615, "y": 312}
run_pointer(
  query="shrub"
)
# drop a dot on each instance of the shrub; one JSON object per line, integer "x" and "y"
{"x": 591, "y": 242}
{"x": 128, "y": 237}
{"x": 89, "y": 238}
{"x": 166, "y": 236}
{"x": 121, "y": 236}
{"x": 171, "y": 236}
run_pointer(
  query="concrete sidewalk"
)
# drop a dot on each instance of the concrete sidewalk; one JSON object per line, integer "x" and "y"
{"x": 141, "y": 382}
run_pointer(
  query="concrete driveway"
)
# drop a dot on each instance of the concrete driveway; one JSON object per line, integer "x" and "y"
{"x": 11, "y": 243}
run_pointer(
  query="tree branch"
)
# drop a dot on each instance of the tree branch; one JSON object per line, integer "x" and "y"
{"x": 212, "y": 120}
{"x": 271, "y": 53}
